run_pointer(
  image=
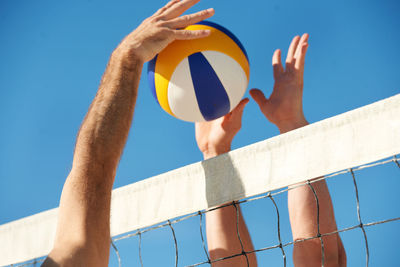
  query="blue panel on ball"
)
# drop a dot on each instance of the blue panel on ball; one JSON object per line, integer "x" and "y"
{"x": 150, "y": 75}
{"x": 211, "y": 96}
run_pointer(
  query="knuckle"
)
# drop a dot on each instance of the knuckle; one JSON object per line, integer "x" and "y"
{"x": 161, "y": 23}
{"x": 152, "y": 20}
{"x": 159, "y": 19}
{"x": 149, "y": 19}
{"x": 289, "y": 63}
{"x": 163, "y": 9}
{"x": 165, "y": 31}
{"x": 186, "y": 33}
{"x": 186, "y": 18}
{"x": 194, "y": 33}
{"x": 204, "y": 13}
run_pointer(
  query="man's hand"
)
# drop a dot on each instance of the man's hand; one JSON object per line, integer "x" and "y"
{"x": 215, "y": 137}
{"x": 284, "y": 107}
{"x": 162, "y": 28}
{"x": 83, "y": 231}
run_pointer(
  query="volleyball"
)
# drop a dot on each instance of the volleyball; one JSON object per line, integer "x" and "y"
{"x": 202, "y": 79}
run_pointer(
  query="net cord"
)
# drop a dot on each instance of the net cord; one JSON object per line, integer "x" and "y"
{"x": 319, "y": 235}
{"x": 139, "y": 232}
{"x": 279, "y": 228}
{"x": 202, "y": 237}
{"x": 378, "y": 121}
{"x": 318, "y": 225}
{"x": 140, "y": 248}
{"x": 116, "y": 252}
{"x": 359, "y": 218}
{"x": 175, "y": 243}
{"x": 238, "y": 232}
{"x": 394, "y": 159}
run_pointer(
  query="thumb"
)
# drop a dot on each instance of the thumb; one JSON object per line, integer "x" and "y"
{"x": 234, "y": 118}
{"x": 259, "y": 97}
{"x": 240, "y": 107}
{"x": 262, "y": 101}
{"x": 237, "y": 112}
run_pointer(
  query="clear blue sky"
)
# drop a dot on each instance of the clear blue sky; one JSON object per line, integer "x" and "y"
{"x": 54, "y": 53}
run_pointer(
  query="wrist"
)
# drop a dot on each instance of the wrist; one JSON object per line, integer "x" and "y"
{"x": 287, "y": 126}
{"x": 125, "y": 56}
{"x": 213, "y": 152}
{"x": 291, "y": 124}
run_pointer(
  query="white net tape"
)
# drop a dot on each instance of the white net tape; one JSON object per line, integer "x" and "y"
{"x": 355, "y": 138}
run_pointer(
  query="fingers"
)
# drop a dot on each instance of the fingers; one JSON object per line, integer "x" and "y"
{"x": 166, "y": 7}
{"x": 277, "y": 64}
{"x": 178, "y": 8}
{"x": 297, "y": 51}
{"x": 182, "y": 22}
{"x": 291, "y": 52}
{"x": 189, "y": 35}
{"x": 303, "y": 40}
{"x": 165, "y": 26}
{"x": 301, "y": 52}
{"x": 171, "y": 12}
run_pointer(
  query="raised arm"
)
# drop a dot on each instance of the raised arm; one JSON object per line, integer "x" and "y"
{"x": 284, "y": 108}
{"x": 83, "y": 230}
{"x": 214, "y": 138}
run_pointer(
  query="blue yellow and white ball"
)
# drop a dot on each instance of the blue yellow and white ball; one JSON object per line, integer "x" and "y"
{"x": 201, "y": 79}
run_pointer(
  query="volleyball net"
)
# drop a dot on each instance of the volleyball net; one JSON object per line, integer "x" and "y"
{"x": 162, "y": 218}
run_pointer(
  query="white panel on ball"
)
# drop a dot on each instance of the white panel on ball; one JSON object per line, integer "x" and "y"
{"x": 181, "y": 96}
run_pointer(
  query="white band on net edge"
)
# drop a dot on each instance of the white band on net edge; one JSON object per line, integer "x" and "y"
{"x": 351, "y": 139}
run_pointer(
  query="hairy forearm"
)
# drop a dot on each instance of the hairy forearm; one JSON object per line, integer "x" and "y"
{"x": 83, "y": 231}
{"x": 106, "y": 126}
{"x": 86, "y": 198}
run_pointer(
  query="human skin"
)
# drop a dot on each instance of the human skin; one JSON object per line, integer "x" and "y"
{"x": 284, "y": 108}
{"x": 214, "y": 138}
{"x": 83, "y": 230}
